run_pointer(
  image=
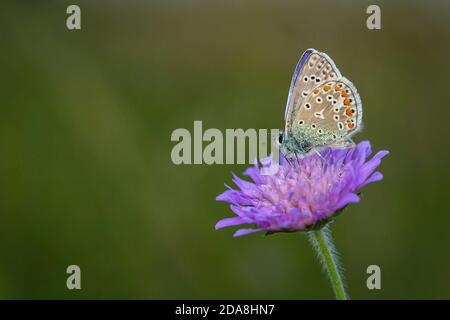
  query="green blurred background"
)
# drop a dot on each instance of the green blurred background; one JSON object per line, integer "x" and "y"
{"x": 86, "y": 117}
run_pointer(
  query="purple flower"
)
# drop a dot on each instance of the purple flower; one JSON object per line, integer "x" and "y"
{"x": 303, "y": 193}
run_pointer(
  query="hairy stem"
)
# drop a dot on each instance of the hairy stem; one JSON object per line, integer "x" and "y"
{"x": 322, "y": 244}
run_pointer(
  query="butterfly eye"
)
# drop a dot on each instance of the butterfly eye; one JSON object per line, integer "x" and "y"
{"x": 280, "y": 138}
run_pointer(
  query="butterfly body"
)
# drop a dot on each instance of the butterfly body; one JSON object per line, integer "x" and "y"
{"x": 301, "y": 141}
{"x": 323, "y": 107}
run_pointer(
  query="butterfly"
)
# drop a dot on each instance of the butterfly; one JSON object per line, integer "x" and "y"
{"x": 323, "y": 107}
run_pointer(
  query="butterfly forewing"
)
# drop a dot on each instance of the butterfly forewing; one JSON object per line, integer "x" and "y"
{"x": 330, "y": 113}
{"x": 313, "y": 68}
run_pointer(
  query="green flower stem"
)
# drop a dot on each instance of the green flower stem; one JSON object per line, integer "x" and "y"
{"x": 322, "y": 243}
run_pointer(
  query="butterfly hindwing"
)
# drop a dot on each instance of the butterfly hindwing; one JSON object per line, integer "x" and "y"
{"x": 313, "y": 68}
{"x": 330, "y": 113}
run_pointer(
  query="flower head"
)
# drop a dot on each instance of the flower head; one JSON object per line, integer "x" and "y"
{"x": 303, "y": 193}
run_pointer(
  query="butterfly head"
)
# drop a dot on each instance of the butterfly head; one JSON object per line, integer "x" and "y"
{"x": 290, "y": 145}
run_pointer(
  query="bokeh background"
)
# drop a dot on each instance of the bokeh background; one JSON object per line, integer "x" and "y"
{"x": 86, "y": 176}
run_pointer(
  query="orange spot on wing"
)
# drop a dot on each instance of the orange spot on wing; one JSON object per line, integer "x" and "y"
{"x": 337, "y": 87}
{"x": 350, "y": 125}
{"x": 347, "y": 101}
{"x": 344, "y": 94}
{"x": 349, "y": 112}
{"x": 316, "y": 91}
{"x": 326, "y": 88}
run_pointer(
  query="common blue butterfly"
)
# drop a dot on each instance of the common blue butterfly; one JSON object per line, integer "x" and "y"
{"x": 323, "y": 107}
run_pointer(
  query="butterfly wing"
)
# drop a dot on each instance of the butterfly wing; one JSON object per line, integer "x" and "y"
{"x": 329, "y": 114}
{"x": 313, "y": 68}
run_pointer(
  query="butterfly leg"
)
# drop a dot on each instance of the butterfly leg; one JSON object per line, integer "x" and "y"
{"x": 347, "y": 144}
{"x": 288, "y": 161}
{"x": 350, "y": 143}
{"x": 296, "y": 156}
{"x": 319, "y": 154}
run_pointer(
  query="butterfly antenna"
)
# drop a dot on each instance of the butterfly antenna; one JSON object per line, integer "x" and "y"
{"x": 318, "y": 153}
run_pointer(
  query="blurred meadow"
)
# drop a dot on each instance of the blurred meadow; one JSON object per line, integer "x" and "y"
{"x": 86, "y": 176}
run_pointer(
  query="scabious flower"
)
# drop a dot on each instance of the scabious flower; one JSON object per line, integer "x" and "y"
{"x": 303, "y": 193}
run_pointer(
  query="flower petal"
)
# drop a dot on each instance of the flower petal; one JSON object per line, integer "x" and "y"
{"x": 227, "y": 196}
{"x": 370, "y": 166}
{"x": 243, "y": 184}
{"x": 254, "y": 174}
{"x": 345, "y": 200}
{"x": 243, "y": 232}
{"x": 234, "y": 197}
{"x": 377, "y": 176}
{"x": 229, "y": 222}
